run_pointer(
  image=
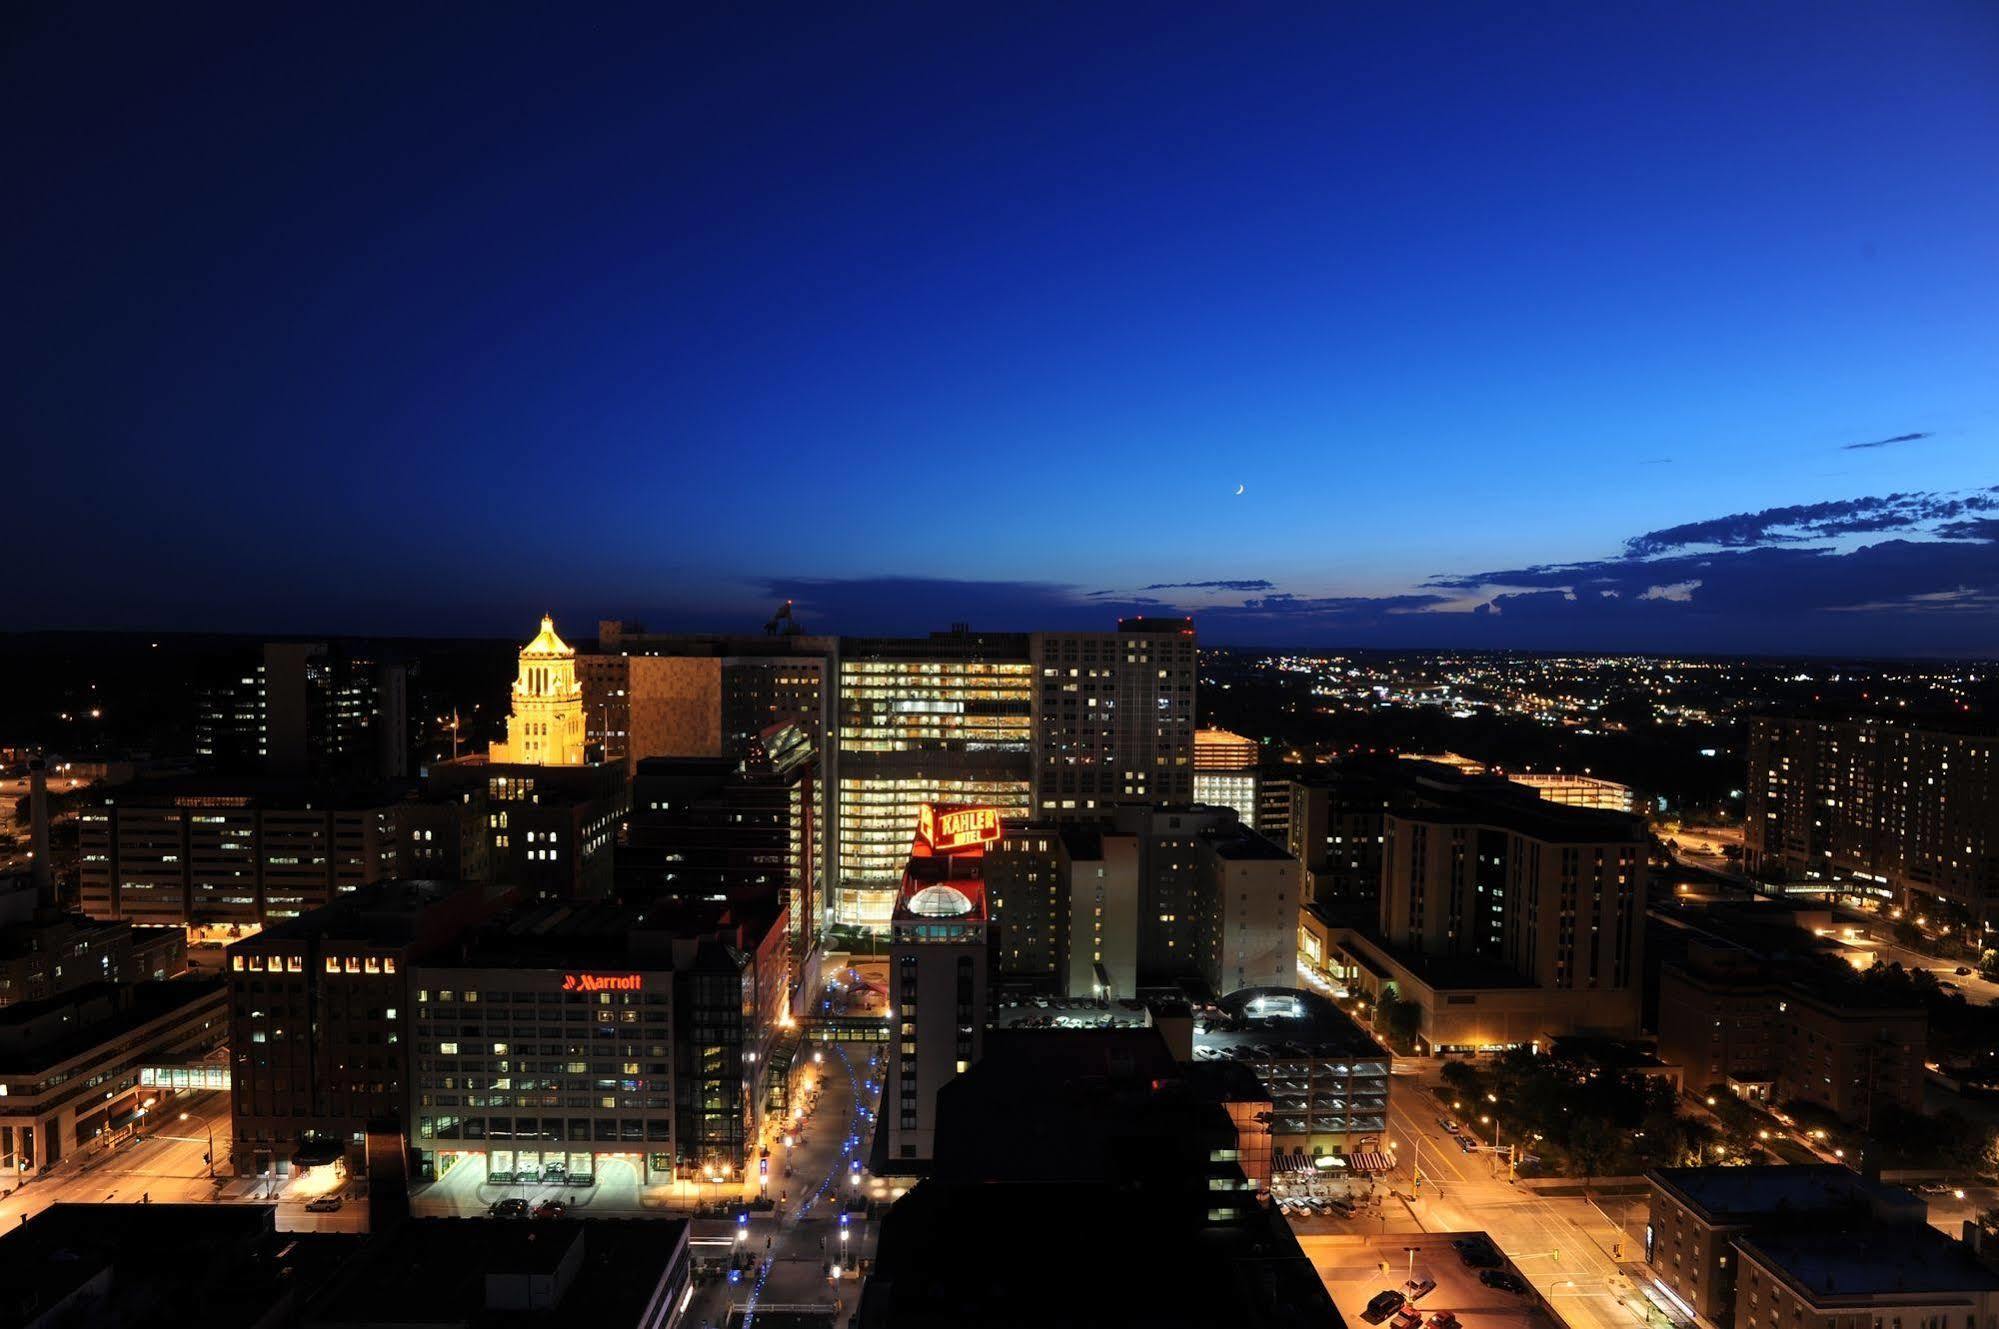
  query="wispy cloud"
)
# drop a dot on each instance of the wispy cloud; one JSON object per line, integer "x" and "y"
{"x": 1248, "y": 584}
{"x": 1884, "y": 442}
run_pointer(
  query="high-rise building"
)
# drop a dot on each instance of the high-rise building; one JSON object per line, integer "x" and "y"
{"x": 938, "y": 959}
{"x": 698, "y": 695}
{"x": 1900, "y": 812}
{"x": 545, "y": 726}
{"x": 548, "y": 830}
{"x": 1335, "y": 829}
{"x": 1113, "y": 718}
{"x": 941, "y": 719}
{"x": 1225, "y": 772}
{"x": 312, "y": 710}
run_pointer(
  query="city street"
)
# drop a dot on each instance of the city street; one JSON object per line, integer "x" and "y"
{"x": 799, "y": 1241}
{"x": 1563, "y": 1245}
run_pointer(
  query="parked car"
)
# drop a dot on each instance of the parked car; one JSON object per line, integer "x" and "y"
{"x": 1476, "y": 1252}
{"x": 513, "y": 1207}
{"x": 1962, "y": 971}
{"x": 1344, "y": 1208}
{"x": 1467, "y": 1144}
{"x": 1407, "y": 1318}
{"x": 1448, "y": 1125}
{"x": 1419, "y": 1288}
{"x": 1946, "y": 985}
{"x": 1444, "y": 1320}
{"x": 324, "y": 1204}
{"x": 550, "y": 1209}
{"x": 1382, "y": 1306}
{"x": 1502, "y": 1279}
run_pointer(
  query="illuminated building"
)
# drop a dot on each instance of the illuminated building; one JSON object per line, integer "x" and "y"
{"x": 1113, "y": 718}
{"x": 306, "y": 709}
{"x": 1327, "y": 1079}
{"x": 697, "y": 695}
{"x": 1873, "y": 807}
{"x": 1503, "y": 917}
{"x": 941, "y": 719}
{"x": 1225, "y": 772}
{"x": 547, "y": 830}
{"x": 1726, "y": 1017}
{"x": 611, "y": 1043}
{"x": 1335, "y": 829}
{"x": 937, "y": 972}
{"x": 321, "y": 1019}
{"x": 1581, "y": 791}
{"x": 231, "y": 853}
{"x": 545, "y": 726}
{"x": 72, "y": 1065}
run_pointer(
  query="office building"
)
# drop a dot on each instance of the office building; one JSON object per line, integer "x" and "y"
{"x": 941, "y": 719}
{"x": 545, "y": 723}
{"x": 705, "y": 828}
{"x": 698, "y": 695}
{"x": 548, "y": 830}
{"x": 72, "y": 1066}
{"x": 1273, "y": 810}
{"x": 210, "y": 853}
{"x": 1334, "y": 827}
{"x": 1225, "y": 773}
{"x": 573, "y": 1043}
{"x": 1113, "y": 717}
{"x": 938, "y": 972}
{"x": 307, "y": 710}
{"x": 45, "y": 951}
{"x": 1727, "y": 1017}
{"x": 1903, "y": 813}
{"x": 320, "y": 1018}
{"x": 1815, "y": 1245}
{"x": 1027, "y": 878}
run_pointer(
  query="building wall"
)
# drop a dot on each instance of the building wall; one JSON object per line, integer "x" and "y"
{"x": 1692, "y": 1257}
{"x": 939, "y": 991}
{"x": 1910, "y": 812}
{"x": 1104, "y": 904}
{"x": 1256, "y": 944}
{"x": 1113, "y": 719}
{"x": 1716, "y": 1032}
{"x": 676, "y": 706}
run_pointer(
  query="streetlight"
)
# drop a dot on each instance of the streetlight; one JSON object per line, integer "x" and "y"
{"x": 209, "y": 1157}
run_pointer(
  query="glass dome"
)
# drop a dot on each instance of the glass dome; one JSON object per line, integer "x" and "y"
{"x": 940, "y": 902}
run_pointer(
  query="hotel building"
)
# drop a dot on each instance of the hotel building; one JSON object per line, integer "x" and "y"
{"x": 1899, "y": 812}
{"x": 1113, "y": 718}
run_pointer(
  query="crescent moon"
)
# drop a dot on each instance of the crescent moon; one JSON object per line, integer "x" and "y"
{"x": 1240, "y": 488}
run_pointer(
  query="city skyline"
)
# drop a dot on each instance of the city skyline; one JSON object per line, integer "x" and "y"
{"x": 1362, "y": 328}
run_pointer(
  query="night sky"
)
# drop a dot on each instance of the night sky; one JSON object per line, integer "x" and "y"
{"x": 1659, "y": 326}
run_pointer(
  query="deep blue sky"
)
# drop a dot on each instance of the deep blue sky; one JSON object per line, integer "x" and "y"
{"x": 429, "y": 317}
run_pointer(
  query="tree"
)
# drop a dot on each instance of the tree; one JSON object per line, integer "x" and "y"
{"x": 1988, "y": 964}
{"x": 1591, "y": 1142}
{"x": 1462, "y": 1078}
{"x": 1400, "y": 1020}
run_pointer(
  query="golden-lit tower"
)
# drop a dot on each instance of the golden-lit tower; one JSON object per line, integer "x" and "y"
{"x": 546, "y": 725}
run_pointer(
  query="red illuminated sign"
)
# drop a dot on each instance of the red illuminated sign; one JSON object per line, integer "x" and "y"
{"x": 946, "y": 829}
{"x": 601, "y": 983}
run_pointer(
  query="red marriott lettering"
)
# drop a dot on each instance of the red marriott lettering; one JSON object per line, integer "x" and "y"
{"x": 602, "y": 982}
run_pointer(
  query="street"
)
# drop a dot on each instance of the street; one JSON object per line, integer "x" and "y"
{"x": 1563, "y": 1245}
{"x": 800, "y": 1240}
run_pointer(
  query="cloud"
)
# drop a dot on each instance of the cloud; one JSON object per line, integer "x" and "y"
{"x": 1904, "y": 573}
{"x": 1248, "y": 584}
{"x": 1805, "y": 522}
{"x": 1884, "y": 442}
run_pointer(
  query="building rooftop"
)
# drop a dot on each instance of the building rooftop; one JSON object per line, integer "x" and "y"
{"x": 31, "y": 1040}
{"x": 387, "y": 913}
{"x": 1740, "y": 1194}
{"x": 1870, "y": 1260}
{"x": 461, "y": 1272}
{"x": 1280, "y": 1023}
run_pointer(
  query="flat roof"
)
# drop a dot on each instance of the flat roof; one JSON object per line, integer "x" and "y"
{"x": 134, "y": 1005}
{"x": 1722, "y": 1193}
{"x": 1283, "y": 1022}
{"x": 1872, "y": 1259}
{"x": 434, "y": 1271}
